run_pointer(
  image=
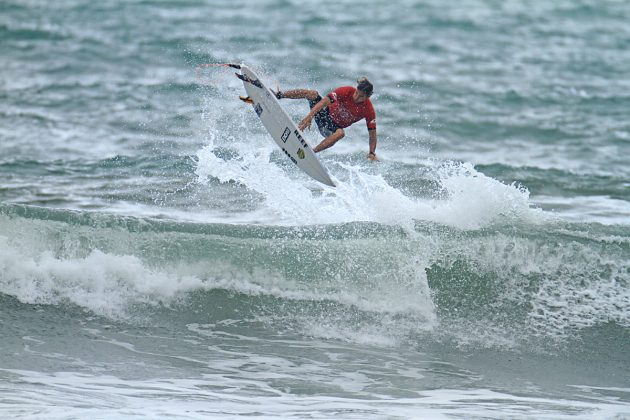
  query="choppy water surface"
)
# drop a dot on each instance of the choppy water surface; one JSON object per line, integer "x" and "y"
{"x": 159, "y": 256}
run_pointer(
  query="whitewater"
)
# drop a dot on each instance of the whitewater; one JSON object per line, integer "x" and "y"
{"x": 160, "y": 256}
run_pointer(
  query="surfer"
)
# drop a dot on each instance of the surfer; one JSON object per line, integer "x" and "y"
{"x": 338, "y": 110}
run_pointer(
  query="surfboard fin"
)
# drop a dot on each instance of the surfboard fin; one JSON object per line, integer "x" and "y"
{"x": 248, "y": 80}
{"x": 246, "y": 99}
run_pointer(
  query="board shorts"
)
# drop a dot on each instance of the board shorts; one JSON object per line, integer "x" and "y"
{"x": 324, "y": 121}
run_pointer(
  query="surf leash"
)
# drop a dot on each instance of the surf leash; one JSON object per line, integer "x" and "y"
{"x": 201, "y": 67}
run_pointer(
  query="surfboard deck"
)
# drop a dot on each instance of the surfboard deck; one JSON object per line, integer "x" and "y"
{"x": 282, "y": 128}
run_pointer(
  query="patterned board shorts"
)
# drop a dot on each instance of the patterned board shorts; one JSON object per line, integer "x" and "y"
{"x": 323, "y": 119}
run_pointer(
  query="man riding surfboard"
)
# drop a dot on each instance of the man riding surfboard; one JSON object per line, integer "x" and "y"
{"x": 337, "y": 110}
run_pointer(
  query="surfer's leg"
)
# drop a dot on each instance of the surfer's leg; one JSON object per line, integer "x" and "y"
{"x": 330, "y": 140}
{"x": 299, "y": 94}
{"x": 311, "y": 95}
{"x": 325, "y": 124}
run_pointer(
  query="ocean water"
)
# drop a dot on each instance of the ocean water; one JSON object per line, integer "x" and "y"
{"x": 160, "y": 257}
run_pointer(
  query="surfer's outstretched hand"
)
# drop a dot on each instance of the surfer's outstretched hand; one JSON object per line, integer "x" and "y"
{"x": 305, "y": 123}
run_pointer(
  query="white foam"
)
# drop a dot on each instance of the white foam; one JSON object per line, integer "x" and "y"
{"x": 108, "y": 284}
{"x": 566, "y": 285}
{"x": 475, "y": 200}
{"x": 590, "y": 291}
{"x": 64, "y": 395}
{"x": 103, "y": 283}
{"x": 472, "y": 201}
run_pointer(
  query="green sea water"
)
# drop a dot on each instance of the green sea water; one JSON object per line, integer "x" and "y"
{"x": 160, "y": 256}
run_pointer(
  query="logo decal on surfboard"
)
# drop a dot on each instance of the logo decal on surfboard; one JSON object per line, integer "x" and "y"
{"x": 300, "y": 153}
{"x": 286, "y": 134}
{"x": 286, "y": 152}
{"x": 301, "y": 139}
{"x": 258, "y": 109}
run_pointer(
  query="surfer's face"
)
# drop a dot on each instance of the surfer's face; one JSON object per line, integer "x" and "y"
{"x": 359, "y": 96}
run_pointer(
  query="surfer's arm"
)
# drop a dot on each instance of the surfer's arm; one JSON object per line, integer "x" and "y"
{"x": 372, "y": 153}
{"x": 306, "y": 122}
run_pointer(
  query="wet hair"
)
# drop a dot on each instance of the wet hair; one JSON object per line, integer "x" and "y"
{"x": 365, "y": 86}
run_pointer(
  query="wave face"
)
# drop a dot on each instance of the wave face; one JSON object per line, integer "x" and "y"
{"x": 502, "y": 286}
{"x": 160, "y": 256}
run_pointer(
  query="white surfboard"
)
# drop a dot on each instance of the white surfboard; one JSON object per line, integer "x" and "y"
{"x": 282, "y": 128}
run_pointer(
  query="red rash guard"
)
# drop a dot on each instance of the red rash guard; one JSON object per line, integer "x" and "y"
{"x": 345, "y": 112}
